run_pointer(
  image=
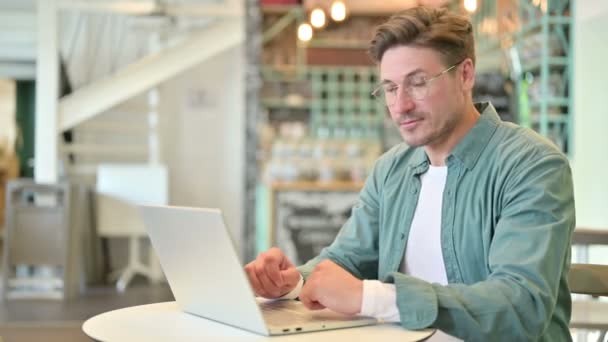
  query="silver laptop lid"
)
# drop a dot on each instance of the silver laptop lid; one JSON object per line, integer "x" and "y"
{"x": 201, "y": 265}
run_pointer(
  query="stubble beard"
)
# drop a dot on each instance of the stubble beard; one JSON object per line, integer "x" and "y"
{"x": 432, "y": 137}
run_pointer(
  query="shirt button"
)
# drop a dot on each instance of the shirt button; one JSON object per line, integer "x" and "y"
{"x": 414, "y": 190}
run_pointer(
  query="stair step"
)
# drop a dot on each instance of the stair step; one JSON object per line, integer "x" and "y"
{"x": 106, "y": 149}
{"x": 83, "y": 169}
{"x": 112, "y": 126}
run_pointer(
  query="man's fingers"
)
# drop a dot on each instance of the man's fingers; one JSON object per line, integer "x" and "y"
{"x": 308, "y": 295}
{"x": 269, "y": 286}
{"x": 316, "y": 306}
{"x": 257, "y": 286}
{"x": 291, "y": 277}
{"x": 310, "y": 304}
{"x": 305, "y": 300}
{"x": 272, "y": 274}
{"x": 271, "y": 260}
{"x": 285, "y": 262}
{"x": 277, "y": 262}
{"x": 280, "y": 257}
{"x": 272, "y": 270}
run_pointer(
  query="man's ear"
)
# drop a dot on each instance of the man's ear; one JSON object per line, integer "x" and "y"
{"x": 467, "y": 74}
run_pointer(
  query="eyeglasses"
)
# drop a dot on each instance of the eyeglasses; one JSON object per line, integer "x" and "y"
{"x": 416, "y": 90}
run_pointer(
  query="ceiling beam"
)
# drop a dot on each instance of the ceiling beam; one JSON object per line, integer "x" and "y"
{"x": 229, "y": 9}
{"x": 18, "y": 70}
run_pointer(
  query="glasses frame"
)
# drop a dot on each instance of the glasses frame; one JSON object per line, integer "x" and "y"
{"x": 379, "y": 94}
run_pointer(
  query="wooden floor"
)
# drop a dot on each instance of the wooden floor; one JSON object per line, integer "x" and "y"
{"x": 55, "y": 321}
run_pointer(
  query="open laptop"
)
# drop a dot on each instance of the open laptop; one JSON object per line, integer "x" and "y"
{"x": 207, "y": 279}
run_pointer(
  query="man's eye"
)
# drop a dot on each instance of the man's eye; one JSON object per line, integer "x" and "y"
{"x": 418, "y": 83}
{"x": 390, "y": 89}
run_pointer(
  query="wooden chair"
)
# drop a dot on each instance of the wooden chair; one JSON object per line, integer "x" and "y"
{"x": 589, "y": 279}
{"x": 120, "y": 188}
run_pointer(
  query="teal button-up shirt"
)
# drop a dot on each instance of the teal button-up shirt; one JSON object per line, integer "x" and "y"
{"x": 506, "y": 224}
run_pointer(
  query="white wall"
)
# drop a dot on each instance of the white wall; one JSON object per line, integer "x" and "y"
{"x": 590, "y": 158}
{"x": 202, "y": 136}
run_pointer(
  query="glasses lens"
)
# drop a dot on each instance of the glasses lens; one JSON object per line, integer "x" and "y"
{"x": 418, "y": 92}
{"x": 390, "y": 97}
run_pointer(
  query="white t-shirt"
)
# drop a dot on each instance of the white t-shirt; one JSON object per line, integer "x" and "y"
{"x": 423, "y": 257}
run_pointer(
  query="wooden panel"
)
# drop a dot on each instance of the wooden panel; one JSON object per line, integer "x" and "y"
{"x": 588, "y": 236}
{"x": 366, "y": 7}
{"x": 8, "y": 171}
{"x": 589, "y": 314}
{"x": 317, "y": 186}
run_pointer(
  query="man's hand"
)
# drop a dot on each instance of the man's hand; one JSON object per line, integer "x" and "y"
{"x": 271, "y": 274}
{"x": 330, "y": 286}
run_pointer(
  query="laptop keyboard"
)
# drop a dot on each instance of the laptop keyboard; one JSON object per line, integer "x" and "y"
{"x": 289, "y": 313}
{"x": 283, "y": 313}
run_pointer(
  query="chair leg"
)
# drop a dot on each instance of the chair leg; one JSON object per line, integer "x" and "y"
{"x": 127, "y": 274}
{"x": 135, "y": 266}
{"x": 125, "y": 279}
{"x": 155, "y": 272}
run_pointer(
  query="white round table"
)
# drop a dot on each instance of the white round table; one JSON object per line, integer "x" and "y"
{"x": 166, "y": 322}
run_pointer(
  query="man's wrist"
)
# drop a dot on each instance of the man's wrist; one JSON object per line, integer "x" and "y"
{"x": 379, "y": 299}
{"x": 295, "y": 293}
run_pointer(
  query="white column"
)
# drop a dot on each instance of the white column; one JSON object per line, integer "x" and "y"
{"x": 153, "y": 139}
{"x": 47, "y": 93}
{"x": 590, "y": 159}
{"x": 154, "y": 46}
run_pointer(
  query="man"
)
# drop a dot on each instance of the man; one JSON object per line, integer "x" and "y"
{"x": 465, "y": 228}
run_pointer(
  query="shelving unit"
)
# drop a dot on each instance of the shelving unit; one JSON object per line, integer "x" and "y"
{"x": 341, "y": 103}
{"x": 545, "y": 55}
{"x": 530, "y": 40}
{"x": 321, "y": 91}
{"x": 333, "y": 101}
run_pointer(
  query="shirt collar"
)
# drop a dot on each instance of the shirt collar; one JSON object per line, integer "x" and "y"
{"x": 470, "y": 147}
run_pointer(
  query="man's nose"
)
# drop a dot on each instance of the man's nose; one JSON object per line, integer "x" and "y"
{"x": 403, "y": 102}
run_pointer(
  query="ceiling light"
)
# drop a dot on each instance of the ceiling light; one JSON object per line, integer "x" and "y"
{"x": 305, "y": 32}
{"x": 317, "y": 18}
{"x": 470, "y": 5}
{"x": 338, "y": 10}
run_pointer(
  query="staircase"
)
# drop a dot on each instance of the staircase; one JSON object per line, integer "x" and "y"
{"x": 114, "y": 62}
{"x": 113, "y": 115}
{"x": 117, "y": 136}
{"x": 126, "y": 133}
